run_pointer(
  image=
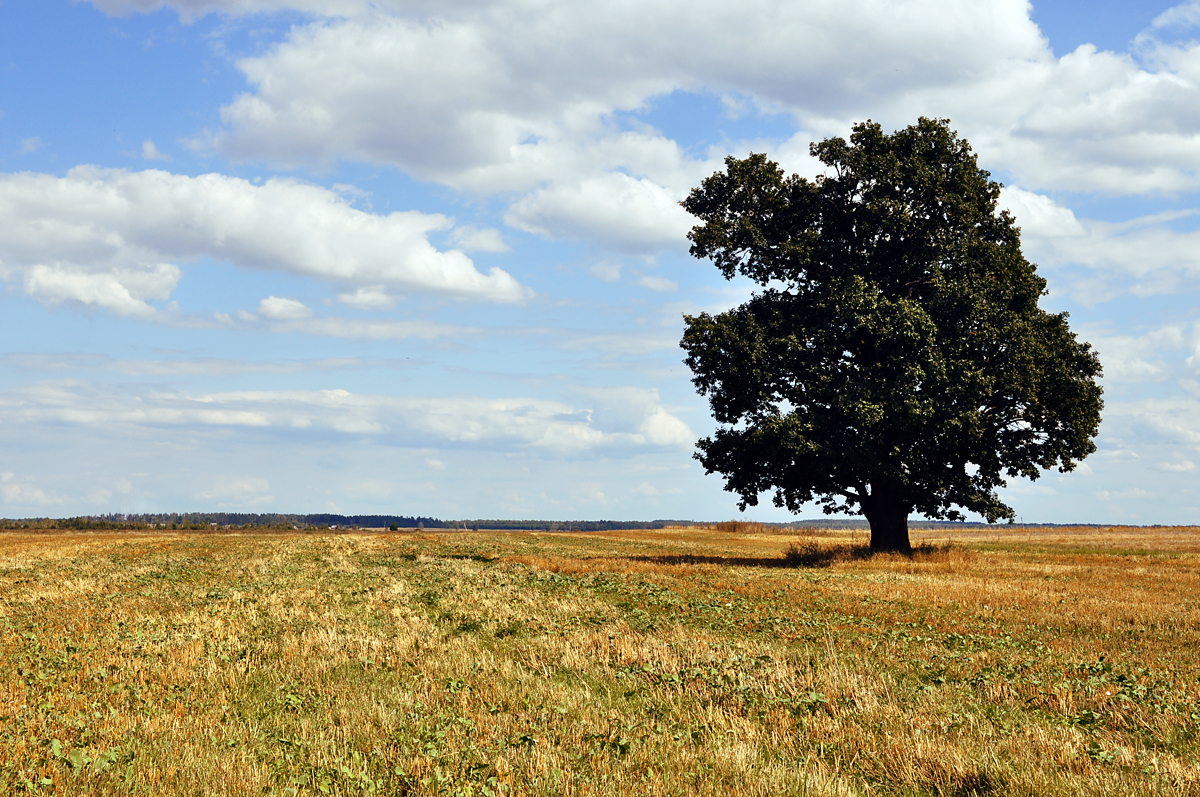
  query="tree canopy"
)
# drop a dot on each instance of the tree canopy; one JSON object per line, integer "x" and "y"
{"x": 894, "y": 359}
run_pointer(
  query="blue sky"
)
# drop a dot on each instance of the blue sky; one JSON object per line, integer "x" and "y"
{"x": 401, "y": 256}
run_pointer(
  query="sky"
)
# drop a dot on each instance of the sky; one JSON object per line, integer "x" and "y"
{"x": 424, "y": 258}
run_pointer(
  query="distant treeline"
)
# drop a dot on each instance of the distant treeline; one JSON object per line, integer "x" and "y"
{"x": 404, "y": 522}
{"x": 203, "y": 520}
{"x": 564, "y": 525}
{"x": 207, "y": 520}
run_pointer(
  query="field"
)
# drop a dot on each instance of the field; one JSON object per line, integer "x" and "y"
{"x": 673, "y": 662}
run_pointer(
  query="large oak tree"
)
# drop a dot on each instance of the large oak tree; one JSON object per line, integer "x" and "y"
{"x": 895, "y": 359}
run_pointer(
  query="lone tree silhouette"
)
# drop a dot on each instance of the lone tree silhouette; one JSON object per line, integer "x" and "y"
{"x": 895, "y": 359}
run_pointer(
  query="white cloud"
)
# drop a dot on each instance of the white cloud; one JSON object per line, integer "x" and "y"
{"x": 1090, "y": 121}
{"x": 663, "y": 429}
{"x": 151, "y": 153}
{"x": 31, "y": 145}
{"x": 1172, "y": 422}
{"x": 1144, "y": 255}
{"x": 235, "y": 490}
{"x": 607, "y": 271}
{"x": 123, "y": 291}
{"x": 506, "y": 96}
{"x": 660, "y": 284}
{"x": 503, "y": 95}
{"x": 288, "y": 316}
{"x": 1040, "y": 216}
{"x": 624, "y": 212}
{"x": 99, "y": 495}
{"x": 101, "y": 237}
{"x": 1135, "y": 493}
{"x": 1143, "y": 358}
{"x": 369, "y": 297}
{"x": 281, "y": 309}
{"x": 368, "y": 329}
{"x": 1184, "y": 15}
{"x": 618, "y": 419}
{"x": 19, "y": 491}
{"x": 471, "y": 239}
{"x": 1184, "y": 466}
{"x": 207, "y": 366}
{"x": 468, "y": 91}
{"x": 637, "y": 409}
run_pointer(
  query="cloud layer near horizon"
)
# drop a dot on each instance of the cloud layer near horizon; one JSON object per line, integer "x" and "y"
{"x": 613, "y": 421}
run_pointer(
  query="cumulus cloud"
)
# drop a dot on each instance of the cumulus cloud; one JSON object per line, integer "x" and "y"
{"x": 1093, "y": 121}
{"x": 101, "y": 237}
{"x": 627, "y": 213}
{"x": 487, "y": 76}
{"x": 614, "y": 420}
{"x": 505, "y": 96}
{"x": 369, "y": 297}
{"x": 471, "y": 239}
{"x": 1141, "y": 358}
{"x": 281, "y": 309}
{"x": 19, "y": 491}
{"x": 607, "y": 271}
{"x": 1151, "y": 422}
{"x": 1185, "y": 15}
{"x": 123, "y": 290}
{"x": 660, "y": 284}
{"x": 639, "y": 409}
{"x": 500, "y": 95}
{"x": 1039, "y": 216}
{"x": 1145, "y": 255}
{"x": 151, "y": 153}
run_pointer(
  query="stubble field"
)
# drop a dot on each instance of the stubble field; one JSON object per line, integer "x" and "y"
{"x": 673, "y": 662}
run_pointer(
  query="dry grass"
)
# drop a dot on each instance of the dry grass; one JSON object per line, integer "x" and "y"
{"x": 719, "y": 661}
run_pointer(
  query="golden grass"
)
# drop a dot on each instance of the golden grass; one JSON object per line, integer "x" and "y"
{"x": 681, "y": 661}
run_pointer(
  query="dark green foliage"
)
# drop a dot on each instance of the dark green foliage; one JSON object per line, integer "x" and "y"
{"x": 895, "y": 359}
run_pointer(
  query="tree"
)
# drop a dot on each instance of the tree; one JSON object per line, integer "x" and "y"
{"x": 895, "y": 359}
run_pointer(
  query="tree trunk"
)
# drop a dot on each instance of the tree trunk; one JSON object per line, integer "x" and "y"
{"x": 889, "y": 524}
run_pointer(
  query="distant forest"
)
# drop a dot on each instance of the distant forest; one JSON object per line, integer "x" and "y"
{"x": 193, "y": 520}
{"x": 201, "y": 520}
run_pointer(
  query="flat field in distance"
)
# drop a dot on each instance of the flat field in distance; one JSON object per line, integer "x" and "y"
{"x": 673, "y": 662}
